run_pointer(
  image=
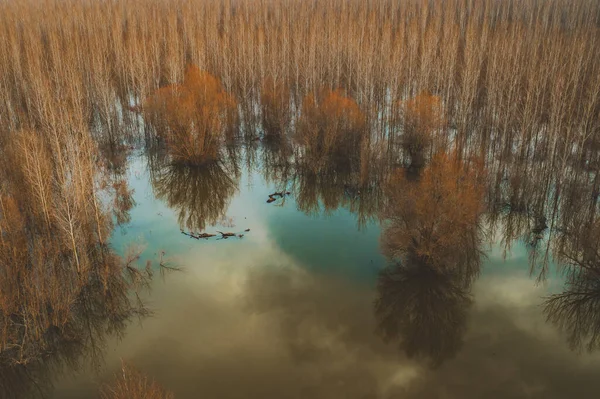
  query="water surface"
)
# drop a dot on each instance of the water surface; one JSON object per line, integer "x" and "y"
{"x": 288, "y": 310}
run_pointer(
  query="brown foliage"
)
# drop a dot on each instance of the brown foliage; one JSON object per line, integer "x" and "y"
{"x": 53, "y": 249}
{"x": 193, "y": 118}
{"x": 41, "y": 290}
{"x": 433, "y": 239}
{"x": 331, "y": 126}
{"x": 131, "y": 384}
{"x": 436, "y": 220}
{"x": 515, "y": 76}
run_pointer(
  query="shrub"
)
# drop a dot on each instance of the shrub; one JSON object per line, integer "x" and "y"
{"x": 331, "y": 125}
{"x": 436, "y": 219}
{"x": 193, "y": 118}
{"x": 131, "y": 384}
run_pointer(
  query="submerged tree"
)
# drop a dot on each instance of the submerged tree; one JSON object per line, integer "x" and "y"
{"x": 331, "y": 128}
{"x": 433, "y": 239}
{"x": 131, "y": 384}
{"x": 62, "y": 287}
{"x": 436, "y": 218}
{"x": 193, "y": 118}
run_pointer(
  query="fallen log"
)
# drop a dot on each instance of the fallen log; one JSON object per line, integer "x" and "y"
{"x": 226, "y": 235}
{"x": 190, "y": 234}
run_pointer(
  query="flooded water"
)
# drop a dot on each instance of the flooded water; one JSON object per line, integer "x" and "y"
{"x": 296, "y": 307}
{"x": 299, "y": 199}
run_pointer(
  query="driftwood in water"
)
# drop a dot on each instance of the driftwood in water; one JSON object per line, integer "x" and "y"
{"x": 280, "y": 194}
{"x": 226, "y": 235}
{"x": 208, "y": 235}
{"x": 190, "y": 234}
{"x": 198, "y": 236}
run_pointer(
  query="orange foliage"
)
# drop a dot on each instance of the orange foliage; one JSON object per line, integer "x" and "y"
{"x": 194, "y": 117}
{"x": 422, "y": 116}
{"x": 330, "y": 124}
{"x": 436, "y": 219}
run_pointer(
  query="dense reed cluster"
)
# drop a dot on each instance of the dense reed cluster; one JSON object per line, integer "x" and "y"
{"x": 515, "y": 77}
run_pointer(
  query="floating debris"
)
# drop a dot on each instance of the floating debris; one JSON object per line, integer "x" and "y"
{"x": 206, "y": 236}
{"x": 280, "y": 194}
{"x": 226, "y": 235}
{"x": 190, "y": 234}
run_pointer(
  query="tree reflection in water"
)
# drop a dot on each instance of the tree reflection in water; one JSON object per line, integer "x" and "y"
{"x": 576, "y": 310}
{"x": 65, "y": 291}
{"x": 99, "y": 312}
{"x": 424, "y": 309}
{"x": 114, "y": 159}
{"x": 433, "y": 237}
{"x": 200, "y": 195}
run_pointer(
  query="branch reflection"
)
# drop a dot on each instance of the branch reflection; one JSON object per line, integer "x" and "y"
{"x": 433, "y": 238}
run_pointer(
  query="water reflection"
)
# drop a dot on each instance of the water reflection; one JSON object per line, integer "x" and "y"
{"x": 341, "y": 184}
{"x": 433, "y": 236}
{"x": 101, "y": 309}
{"x": 424, "y": 310}
{"x": 434, "y": 220}
{"x": 576, "y": 310}
{"x": 39, "y": 349}
{"x": 199, "y": 195}
{"x": 257, "y": 317}
{"x": 63, "y": 289}
{"x": 114, "y": 159}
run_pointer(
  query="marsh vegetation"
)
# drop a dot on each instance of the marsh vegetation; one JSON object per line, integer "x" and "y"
{"x": 452, "y": 125}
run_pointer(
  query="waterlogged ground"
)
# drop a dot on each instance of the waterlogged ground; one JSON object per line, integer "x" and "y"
{"x": 287, "y": 311}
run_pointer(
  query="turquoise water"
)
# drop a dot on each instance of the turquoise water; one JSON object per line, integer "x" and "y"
{"x": 287, "y": 311}
{"x": 328, "y": 242}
